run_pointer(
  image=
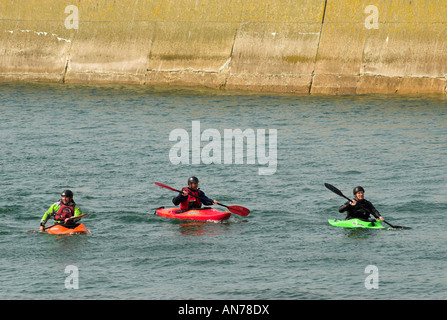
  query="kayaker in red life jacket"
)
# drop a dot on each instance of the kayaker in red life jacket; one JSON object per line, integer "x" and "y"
{"x": 359, "y": 207}
{"x": 187, "y": 198}
{"x": 62, "y": 210}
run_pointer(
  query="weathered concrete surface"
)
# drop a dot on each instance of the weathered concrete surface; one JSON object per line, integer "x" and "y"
{"x": 407, "y": 53}
{"x": 314, "y": 46}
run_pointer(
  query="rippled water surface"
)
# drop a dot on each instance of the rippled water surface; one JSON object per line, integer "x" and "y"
{"x": 109, "y": 144}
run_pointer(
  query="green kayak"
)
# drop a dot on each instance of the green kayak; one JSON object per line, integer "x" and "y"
{"x": 356, "y": 223}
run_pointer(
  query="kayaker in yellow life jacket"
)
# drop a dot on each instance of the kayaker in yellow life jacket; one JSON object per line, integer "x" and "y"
{"x": 359, "y": 207}
{"x": 192, "y": 197}
{"x": 62, "y": 210}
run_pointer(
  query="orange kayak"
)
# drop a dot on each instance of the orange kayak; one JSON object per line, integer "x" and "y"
{"x": 57, "y": 229}
{"x": 193, "y": 214}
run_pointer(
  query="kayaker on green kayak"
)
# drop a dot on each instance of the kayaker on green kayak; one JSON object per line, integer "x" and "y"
{"x": 192, "y": 197}
{"x": 62, "y": 210}
{"x": 359, "y": 207}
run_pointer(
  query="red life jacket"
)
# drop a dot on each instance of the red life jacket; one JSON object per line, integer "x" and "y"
{"x": 191, "y": 202}
{"x": 64, "y": 212}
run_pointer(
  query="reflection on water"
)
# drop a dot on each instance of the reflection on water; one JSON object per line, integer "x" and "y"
{"x": 203, "y": 228}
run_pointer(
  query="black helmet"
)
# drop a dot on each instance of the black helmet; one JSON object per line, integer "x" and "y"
{"x": 193, "y": 180}
{"x": 67, "y": 193}
{"x": 357, "y": 189}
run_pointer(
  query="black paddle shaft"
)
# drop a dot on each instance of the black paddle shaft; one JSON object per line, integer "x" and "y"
{"x": 335, "y": 190}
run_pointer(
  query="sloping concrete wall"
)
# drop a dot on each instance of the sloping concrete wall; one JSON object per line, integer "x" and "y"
{"x": 314, "y": 46}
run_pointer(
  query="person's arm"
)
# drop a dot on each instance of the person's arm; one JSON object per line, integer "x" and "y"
{"x": 47, "y": 215}
{"x": 374, "y": 211}
{"x": 205, "y": 200}
{"x": 180, "y": 197}
{"x": 345, "y": 207}
{"x": 77, "y": 212}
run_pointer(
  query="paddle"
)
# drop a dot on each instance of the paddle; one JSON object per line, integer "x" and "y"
{"x": 239, "y": 210}
{"x": 337, "y": 191}
{"x": 72, "y": 218}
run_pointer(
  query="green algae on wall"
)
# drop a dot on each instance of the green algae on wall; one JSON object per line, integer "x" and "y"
{"x": 317, "y": 46}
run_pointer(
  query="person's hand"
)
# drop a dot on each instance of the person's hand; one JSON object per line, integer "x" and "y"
{"x": 41, "y": 228}
{"x": 215, "y": 202}
{"x": 352, "y": 202}
{"x": 381, "y": 219}
{"x": 184, "y": 193}
{"x": 66, "y": 220}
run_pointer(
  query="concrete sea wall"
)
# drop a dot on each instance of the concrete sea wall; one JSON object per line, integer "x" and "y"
{"x": 300, "y": 46}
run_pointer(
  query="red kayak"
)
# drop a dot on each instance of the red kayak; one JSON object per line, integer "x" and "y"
{"x": 193, "y": 214}
{"x": 57, "y": 229}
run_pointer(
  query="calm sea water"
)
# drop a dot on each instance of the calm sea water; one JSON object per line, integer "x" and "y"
{"x": 109, "y": 144}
